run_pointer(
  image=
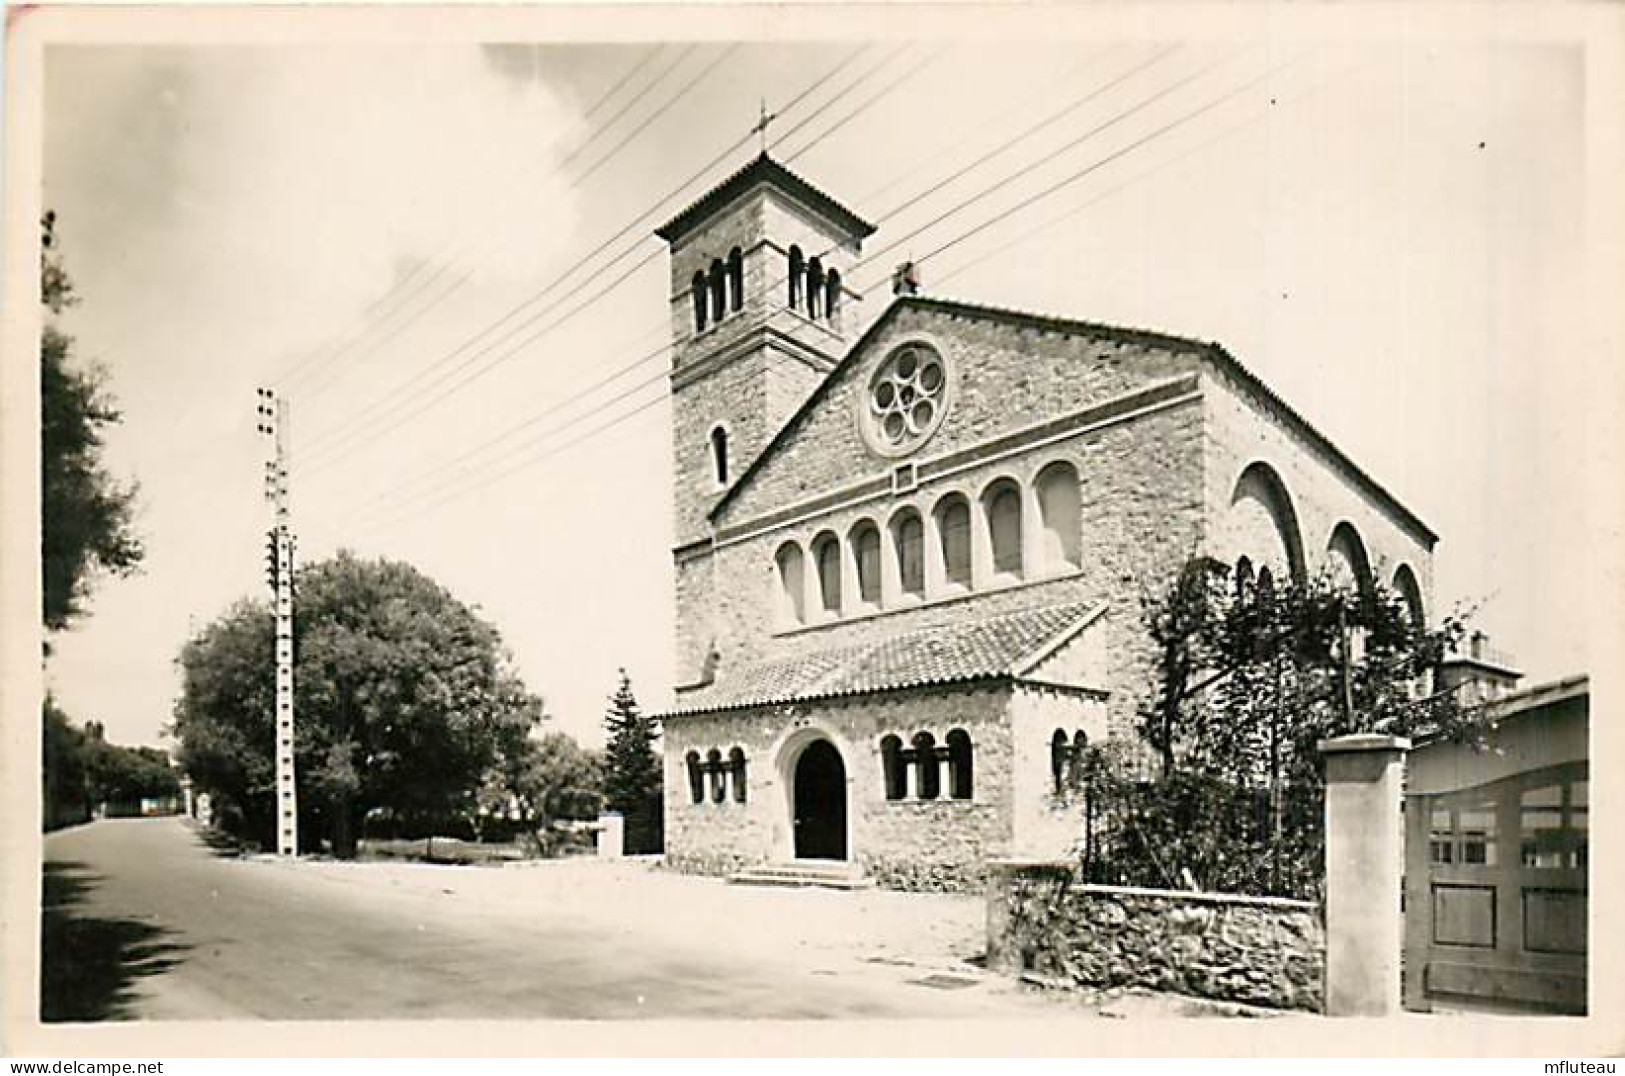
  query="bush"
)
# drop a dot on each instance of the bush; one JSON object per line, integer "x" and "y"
{"x": 1191, "y": 830}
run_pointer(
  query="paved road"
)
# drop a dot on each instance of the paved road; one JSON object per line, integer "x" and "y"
{"x": 145, "y": 921}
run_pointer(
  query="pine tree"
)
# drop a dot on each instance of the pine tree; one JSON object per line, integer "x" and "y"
{"x": 632, "y": 780}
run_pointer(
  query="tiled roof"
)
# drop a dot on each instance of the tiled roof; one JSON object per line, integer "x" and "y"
{"x": 763, "y": 169}
{"x": 987, "y": 648}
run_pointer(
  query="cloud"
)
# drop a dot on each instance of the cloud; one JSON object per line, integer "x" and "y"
{"x": 321, "y": 175}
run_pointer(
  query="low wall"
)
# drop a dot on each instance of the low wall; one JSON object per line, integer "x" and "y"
{"x": 1255, "y": 950}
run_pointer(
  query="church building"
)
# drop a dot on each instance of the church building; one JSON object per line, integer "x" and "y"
{"x": 909, "y": 561}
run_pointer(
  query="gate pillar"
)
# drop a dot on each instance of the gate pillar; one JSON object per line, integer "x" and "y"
{"x": 1364, "y": 858}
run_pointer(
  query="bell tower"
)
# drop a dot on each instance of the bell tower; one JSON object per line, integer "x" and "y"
{"x": 761, "y": 311}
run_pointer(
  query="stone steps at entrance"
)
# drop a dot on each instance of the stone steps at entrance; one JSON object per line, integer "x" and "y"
{"x": 827, "y": 875}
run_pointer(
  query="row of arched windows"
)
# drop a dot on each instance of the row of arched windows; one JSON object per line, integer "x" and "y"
{"x": 1262, "y": 508}
{"x": 814, "y": 290}
{"x": 915, "y": 771}
{"x": 1014, "y": 532}
{"x": 713, "y": 776}
{"x": 720, "y": 292}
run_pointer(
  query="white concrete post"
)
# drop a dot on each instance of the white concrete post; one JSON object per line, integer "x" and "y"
{"x": 611, "y": 836}
{"x": 1364, "y": 860}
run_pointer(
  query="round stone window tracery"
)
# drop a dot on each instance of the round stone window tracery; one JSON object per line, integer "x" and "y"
{"x": 906, "y": 399}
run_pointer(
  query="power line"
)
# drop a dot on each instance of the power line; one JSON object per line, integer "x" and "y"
{"x": 637, "y": 65}
{"x": 1073, "y": 211}
{"x": 1083, "y": 172}
{"x": 325, "y": 441}
{"x": 468, "y": 272}
{"x": 1095, "y": 93}
{"x": 643, "y": 216}
{"x": 657, "y": 113}
{"x": 868, "y": 102}
{"x": 446, "y": 485}
{"x": 1067, "y": 147}
{"x": 520, "y": 465}
{"x": 551, "y": 409}
{"x": 404, "y": 392}
{"x": 854, "y": 84}
{"x": 1019, "y": 105}
{"x": 1049, "y": 120}
{"x": 371, "y": 312}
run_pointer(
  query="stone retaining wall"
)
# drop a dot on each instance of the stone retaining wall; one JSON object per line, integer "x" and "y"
{"x": 1256, "y": 950}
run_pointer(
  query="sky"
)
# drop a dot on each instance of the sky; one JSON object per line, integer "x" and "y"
{"x": 423, "y": 246}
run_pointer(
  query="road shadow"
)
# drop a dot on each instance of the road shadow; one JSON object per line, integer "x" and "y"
{"x": 221, "y": 843}
{"x": 89, "y": 965}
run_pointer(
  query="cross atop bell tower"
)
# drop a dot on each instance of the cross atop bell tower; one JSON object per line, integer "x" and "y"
{"x": 759, "y": 314}
{"x": 761, "y": 125}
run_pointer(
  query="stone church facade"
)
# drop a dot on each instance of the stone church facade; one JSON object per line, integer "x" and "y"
{"x": 909, "y": 560}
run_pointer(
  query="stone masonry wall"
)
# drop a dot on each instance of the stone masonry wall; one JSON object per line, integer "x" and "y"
{"x": 1141, "y": 486}
{"x": 1240, "y": 429}
{"x": 907, "y": 844}
{"x": 1047, "y": 823}
{"x": 1254, "y": 950}
{"x": 1006, "y": 376}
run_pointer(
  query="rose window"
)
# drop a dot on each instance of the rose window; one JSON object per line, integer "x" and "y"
{"x": 907, "y": 398}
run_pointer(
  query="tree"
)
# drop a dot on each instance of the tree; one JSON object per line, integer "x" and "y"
{"x": 122, "y": 775}
{"x": 65, "y": 789}
{"x": 87, "y": 516}
{"x": 1250, "y": 679}
{"x": 404, "y": 701}
{"x": 632, "y": 778}
{"x": 550, "y": 777}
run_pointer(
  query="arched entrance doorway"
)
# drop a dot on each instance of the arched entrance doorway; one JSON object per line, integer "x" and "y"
{"x": 820, "y": 803}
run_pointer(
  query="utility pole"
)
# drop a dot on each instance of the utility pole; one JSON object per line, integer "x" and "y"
{"x": 273, "y": 423}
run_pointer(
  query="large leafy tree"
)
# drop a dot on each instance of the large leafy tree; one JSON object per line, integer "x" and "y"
{"x": 405, "y": 700}
{"x": 118, "y": 774}
{"x": 1250, "y": 679}
{"x": 66, "y": 786}
{"x": 87, "y": 515}
{"x": 548, "y": 777}
{"x": 86, "y": 527}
